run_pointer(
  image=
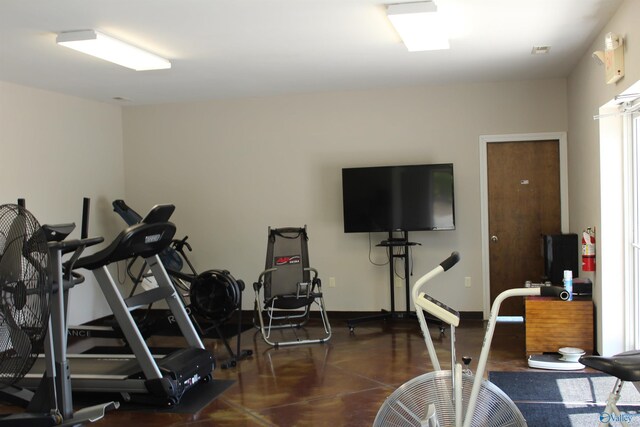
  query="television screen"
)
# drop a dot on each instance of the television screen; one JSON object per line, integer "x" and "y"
{"x": 392, "y": 198}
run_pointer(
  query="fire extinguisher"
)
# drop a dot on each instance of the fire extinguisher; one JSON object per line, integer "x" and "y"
{"x": 589, "y": 249}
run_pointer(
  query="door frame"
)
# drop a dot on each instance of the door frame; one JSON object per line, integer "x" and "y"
{"x": 561, "y": 137}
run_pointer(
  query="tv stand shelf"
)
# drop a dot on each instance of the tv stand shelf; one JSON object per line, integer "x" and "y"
{"x": 551, "y": 324}
{"x": 397, "y": 242}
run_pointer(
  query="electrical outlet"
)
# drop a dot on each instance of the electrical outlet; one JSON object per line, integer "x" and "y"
{"x": 467, "y": 282}
{"x": 332, "y": 282}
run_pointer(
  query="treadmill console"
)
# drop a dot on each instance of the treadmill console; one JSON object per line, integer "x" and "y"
{"x": 159, "y": 213}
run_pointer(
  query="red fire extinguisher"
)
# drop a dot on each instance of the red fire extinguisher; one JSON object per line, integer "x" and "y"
{"x": 589, "y": 249}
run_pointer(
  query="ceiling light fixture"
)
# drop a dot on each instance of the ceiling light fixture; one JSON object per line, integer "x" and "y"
{"x": 419, "y": 25}
{"x": 104, "y": 47}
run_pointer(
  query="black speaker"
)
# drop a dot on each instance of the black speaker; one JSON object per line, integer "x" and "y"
{"x": 560, "y": 253}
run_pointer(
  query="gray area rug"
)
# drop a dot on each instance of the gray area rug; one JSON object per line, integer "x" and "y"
{"x": 566, "y": 398}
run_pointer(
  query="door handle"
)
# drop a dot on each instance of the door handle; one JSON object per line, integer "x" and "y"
{"x": 494, "y": 238}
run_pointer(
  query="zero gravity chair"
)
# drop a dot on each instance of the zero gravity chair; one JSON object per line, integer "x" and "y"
{"x": 288, "y": 287}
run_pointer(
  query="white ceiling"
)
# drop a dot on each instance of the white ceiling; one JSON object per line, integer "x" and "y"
{"x": 240, "y": 48}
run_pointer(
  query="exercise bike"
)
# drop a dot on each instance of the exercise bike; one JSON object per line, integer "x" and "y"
{"x": 440, "y": 398}
{"x": 34, "y": 282}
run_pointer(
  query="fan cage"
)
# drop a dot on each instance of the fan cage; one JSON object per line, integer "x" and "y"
{"x": 407, "y": 405}
{"x": 25, "y": 292}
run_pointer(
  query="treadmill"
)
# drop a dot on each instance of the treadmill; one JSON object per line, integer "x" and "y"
{"x": 141, "y": 376}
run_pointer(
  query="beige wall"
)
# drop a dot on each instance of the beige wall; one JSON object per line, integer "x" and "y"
{"x": 587, "y": 92}
{"x": 233, "y": 168}
{"x": 57, "y": 149}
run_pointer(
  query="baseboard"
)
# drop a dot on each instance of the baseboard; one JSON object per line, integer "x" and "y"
{"x": 345, "y": 315}
{"x": 247, "y": 315}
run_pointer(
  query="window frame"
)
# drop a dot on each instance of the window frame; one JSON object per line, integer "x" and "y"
{"x": 631, "y": 138}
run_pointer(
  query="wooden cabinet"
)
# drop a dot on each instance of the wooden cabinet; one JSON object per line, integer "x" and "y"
{"x": 551, "y": 324}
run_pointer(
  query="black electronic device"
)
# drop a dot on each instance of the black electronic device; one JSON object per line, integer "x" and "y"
{"x": 582, "y": 287}
{"x": 391, "y": 198}
{"x": 560, "y": 253}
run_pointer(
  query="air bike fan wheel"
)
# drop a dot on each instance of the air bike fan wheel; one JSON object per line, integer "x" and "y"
{"x": 25, "y": 292}
{"x": 215, "y": 295}
{"x": 407, "y": 406}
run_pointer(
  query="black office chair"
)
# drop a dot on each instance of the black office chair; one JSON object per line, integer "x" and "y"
{"x": 288, "y": 287}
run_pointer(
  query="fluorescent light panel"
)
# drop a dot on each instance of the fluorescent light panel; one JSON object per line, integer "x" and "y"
{"x": 104, "y": 47}
{"x": 419, "y": 25}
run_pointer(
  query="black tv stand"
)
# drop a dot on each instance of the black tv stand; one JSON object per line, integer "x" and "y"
{"x": 390, "y": 243}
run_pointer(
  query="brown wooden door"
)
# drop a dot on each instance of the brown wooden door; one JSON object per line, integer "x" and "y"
{"x": 523, "y": 180}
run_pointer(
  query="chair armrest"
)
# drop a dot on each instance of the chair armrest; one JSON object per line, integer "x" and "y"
{"x": 265, "y": 272}
{"x": 257, "y": 285}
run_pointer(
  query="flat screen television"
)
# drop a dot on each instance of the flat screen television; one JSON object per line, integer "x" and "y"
{"x": 398, "y": 198}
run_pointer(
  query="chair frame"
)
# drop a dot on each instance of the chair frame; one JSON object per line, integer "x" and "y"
{"x": 298, "y": 315}
{"x": 623, "y": 367}
{"x": 611, "y": 412}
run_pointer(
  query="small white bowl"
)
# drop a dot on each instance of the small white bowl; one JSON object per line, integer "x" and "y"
{"x": 571, "y": 354}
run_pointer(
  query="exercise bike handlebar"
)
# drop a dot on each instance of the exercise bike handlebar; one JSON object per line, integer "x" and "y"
{"x": 451, "y": 261}
{"x": 67, "y": 246}
{"x": 554, "y": 291}
{"x": 77, "y": 246}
